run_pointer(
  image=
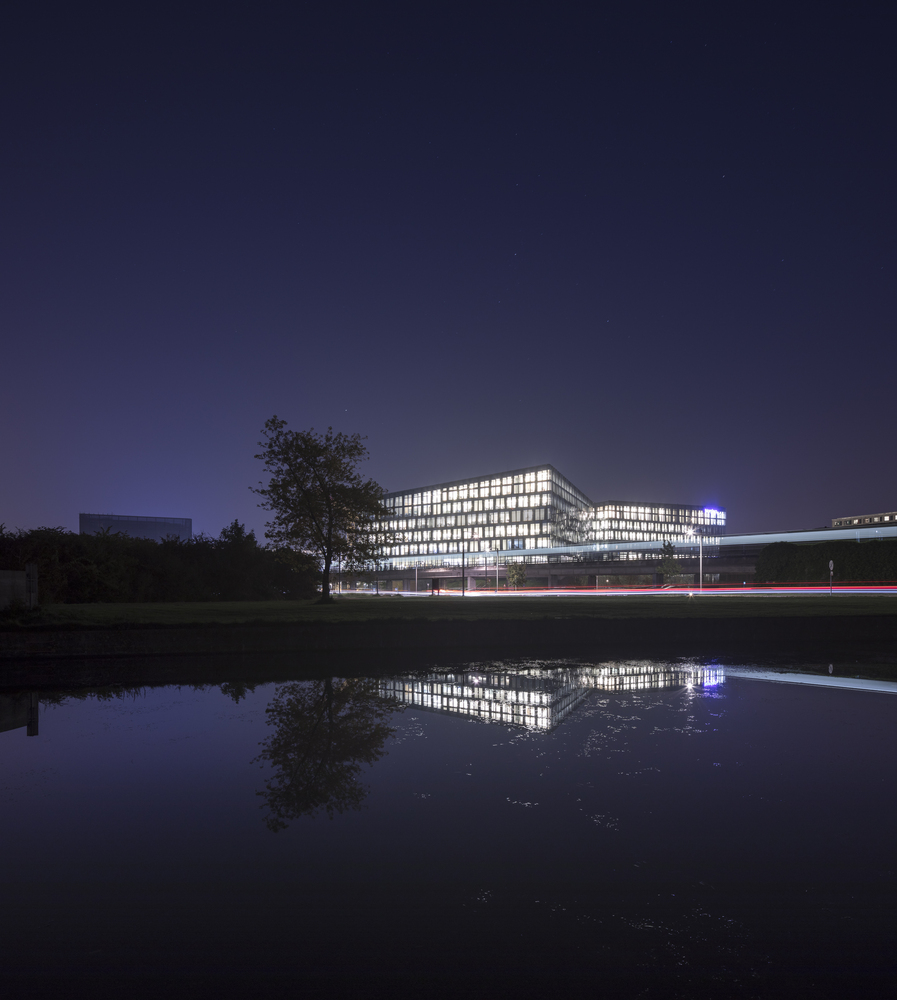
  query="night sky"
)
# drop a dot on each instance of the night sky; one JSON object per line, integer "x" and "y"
{"x": 651, "y": 244}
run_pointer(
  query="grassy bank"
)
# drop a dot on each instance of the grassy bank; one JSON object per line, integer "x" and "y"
{"x": 388, "y": 608}
{"x": 757, "y": 628}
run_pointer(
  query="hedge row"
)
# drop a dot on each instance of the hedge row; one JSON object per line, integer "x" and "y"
{"x": 113, "y": 568}
{"x": 786, "y": 562}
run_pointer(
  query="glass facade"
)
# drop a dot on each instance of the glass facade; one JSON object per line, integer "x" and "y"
{"x": 523, "y": 509}
{"x": 526, "y": 509}
{"x": 630, "y": 522}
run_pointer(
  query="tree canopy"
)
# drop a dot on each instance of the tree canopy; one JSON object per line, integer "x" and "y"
{"x": 668, "y": 565}
{"x": 320, "y": 502}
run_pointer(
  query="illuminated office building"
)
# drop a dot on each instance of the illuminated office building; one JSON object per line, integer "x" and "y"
{"x": 511, "y": 510}
{"x": 525, "y": 509}
{"x": 639, "y": 522}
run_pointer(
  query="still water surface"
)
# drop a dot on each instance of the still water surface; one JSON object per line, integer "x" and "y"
{"x": 624, "y": 828}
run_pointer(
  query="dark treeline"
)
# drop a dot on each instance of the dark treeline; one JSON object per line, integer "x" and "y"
{"x": 785, "y": 562}
{"x": 114, "y": 568}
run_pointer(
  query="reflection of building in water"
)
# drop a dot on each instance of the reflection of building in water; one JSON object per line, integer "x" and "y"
{"x": 636, "y": 676}
{"x": 535, "y": 697}
{"x": 18, "y": 711}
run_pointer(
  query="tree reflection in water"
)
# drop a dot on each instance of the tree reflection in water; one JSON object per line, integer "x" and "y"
{"x": 323, "y": 733}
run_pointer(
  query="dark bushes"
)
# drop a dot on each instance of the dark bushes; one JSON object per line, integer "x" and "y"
{"x": 113, "y": 568}
{"x": 785, "y": 562}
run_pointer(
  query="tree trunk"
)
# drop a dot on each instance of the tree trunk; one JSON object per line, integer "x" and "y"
{"x": 325, "y": 581}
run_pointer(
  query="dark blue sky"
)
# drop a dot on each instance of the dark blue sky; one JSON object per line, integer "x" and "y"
{"x": 654, "y": 248}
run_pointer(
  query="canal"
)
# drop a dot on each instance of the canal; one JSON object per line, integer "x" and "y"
{"x": 634, "y": 828}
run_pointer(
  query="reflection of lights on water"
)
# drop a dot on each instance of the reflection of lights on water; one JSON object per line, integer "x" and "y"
{"x": 539, "y": 698}
{"x": 705, "y": 678}
{"x": 816, "y": 680}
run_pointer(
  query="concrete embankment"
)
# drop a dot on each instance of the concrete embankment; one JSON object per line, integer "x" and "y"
{"x": 868, "y": 635}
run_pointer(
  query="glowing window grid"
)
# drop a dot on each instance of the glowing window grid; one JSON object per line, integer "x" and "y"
{"x": 535, "y": 508}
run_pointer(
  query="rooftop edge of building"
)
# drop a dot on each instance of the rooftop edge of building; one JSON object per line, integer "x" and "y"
{"x": 138, "y": 517}
{"x": 546, "y": 466}
{"x": 886, "y": 517}
{"x": 467, "y": 480}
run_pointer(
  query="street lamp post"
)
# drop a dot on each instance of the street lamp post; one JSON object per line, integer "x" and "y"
{"x": 700, "y": 561}
{"x": 700, "y": 537}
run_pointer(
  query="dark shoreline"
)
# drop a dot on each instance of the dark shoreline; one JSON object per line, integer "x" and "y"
{"x": 272, "y": 652}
